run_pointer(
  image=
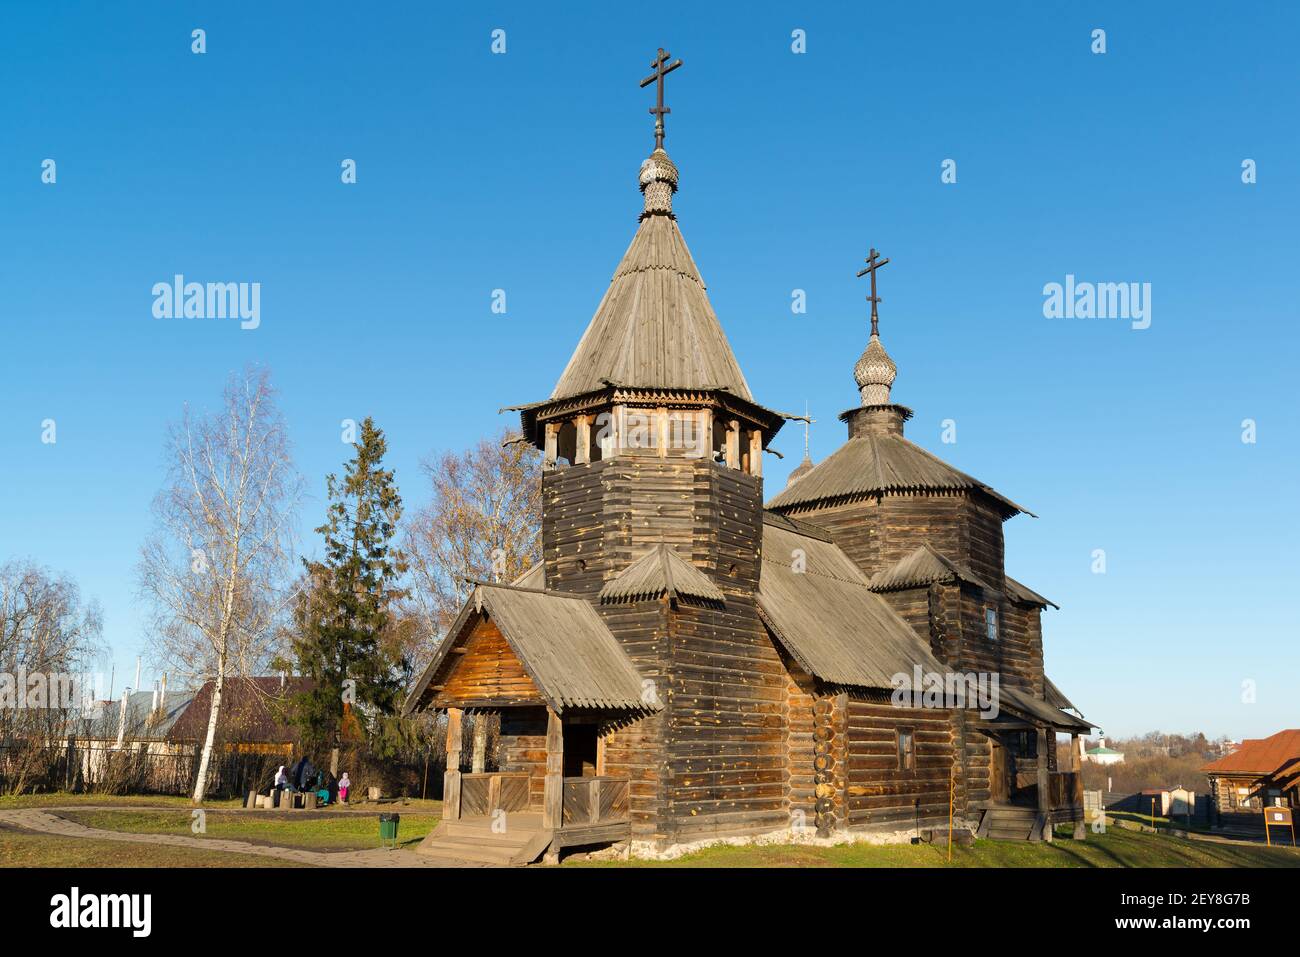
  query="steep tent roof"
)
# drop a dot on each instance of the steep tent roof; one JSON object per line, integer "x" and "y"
{"x": 561, "y": 642}
{"x": 827, "y": 618}
{"x": 661, "y": 571}
{"x": 1260, "y": 755}
{"x": 876, "y": 463}
{"x": 655, "y": 327}
{"x": 923, "y": 566}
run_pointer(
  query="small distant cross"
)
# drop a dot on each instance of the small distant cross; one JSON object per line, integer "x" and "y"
{"x": 657, "y": 77}
{"x": 873, "y": 262}
{"x": 808, "y": 420}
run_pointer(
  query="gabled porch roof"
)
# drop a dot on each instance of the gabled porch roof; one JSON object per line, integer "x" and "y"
{"x": 560, "y": 640}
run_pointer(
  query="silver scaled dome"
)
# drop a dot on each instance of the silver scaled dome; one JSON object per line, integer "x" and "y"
{"x": 658, "y": 181}
{"x": 875, "y": 373}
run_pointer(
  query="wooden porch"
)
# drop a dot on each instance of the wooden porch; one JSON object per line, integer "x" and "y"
{"x": 1044, "y": 798}
{"x": 492, "y": 816}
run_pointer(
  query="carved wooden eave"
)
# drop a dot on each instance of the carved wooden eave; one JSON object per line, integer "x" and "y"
{"x": 533, "y": 417}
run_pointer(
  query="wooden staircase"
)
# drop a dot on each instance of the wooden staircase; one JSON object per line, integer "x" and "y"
{"x": 1006, "y": 823}
{"x": 472, "y": 839}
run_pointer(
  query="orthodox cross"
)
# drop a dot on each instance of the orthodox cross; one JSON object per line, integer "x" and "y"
{"x": 657, "y": 77}
{"x": 807, "y": 421}
{"x": 873, "y": 262}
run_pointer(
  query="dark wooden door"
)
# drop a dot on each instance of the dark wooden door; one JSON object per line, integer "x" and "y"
{"x": 999, "y": 772}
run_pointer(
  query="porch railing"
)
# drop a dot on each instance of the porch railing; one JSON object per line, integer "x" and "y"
{"x": 595, "y": 800}
{"x": 483, "y": 793}
{"x": 1065, "y": 789}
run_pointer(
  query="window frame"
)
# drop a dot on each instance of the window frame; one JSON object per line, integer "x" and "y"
{"x": 906, "y": 755}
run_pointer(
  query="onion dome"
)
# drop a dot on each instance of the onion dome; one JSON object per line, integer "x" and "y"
{"x": 874, "y": 373}
{"x": 658, "y": 183}
{"x": 800, "y": 470}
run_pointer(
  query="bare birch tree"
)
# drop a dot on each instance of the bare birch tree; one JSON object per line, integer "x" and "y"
{"x": 218, "y": 564}
{"x": 483, "y": 521}
{"x": 48, "y": 639}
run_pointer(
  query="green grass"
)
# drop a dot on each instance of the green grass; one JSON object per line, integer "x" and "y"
{"x": 1161, "y": 823}
{"x": 1115, "y": 848}
{"x": 323, "y": 831}
{"x": 24, "y": 849}
{"x": 66, "y": 799}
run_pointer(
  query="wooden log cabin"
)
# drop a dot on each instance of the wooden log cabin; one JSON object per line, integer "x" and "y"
{"x": 686, "y": 664}
{"x": 1261, "y": 773}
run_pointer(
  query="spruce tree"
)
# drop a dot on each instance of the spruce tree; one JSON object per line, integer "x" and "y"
{"x": 344, "y": 613}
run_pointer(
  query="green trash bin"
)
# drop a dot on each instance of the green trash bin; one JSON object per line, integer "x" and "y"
{"x": 388, "y": 829}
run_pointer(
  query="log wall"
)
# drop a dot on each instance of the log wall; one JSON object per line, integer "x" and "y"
{"x": 881, "y": 795}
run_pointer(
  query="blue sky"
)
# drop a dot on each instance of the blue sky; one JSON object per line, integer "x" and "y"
{"x": 479, "y": 171}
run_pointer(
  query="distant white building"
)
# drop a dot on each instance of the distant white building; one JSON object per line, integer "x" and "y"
{"x": 1102, "y": 754}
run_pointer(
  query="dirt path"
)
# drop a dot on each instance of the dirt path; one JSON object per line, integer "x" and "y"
{"x": 45, "y": 822}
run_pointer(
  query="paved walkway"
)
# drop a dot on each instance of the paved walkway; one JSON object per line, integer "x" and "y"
{"x": 45, "y": 822}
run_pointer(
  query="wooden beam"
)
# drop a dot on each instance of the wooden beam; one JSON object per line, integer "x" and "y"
{"x": 1044, "y": 782}
{"x": 479, "y": 759}
{"x": 756, "y": 453}
{"x": 705, "y": 436}
{"x": 1076, "y": 765}
{"x": 552, "y": 445}
{"x": 451, "y": 777}
{"x": 733, "y": 444}
{"x": 553, "y": 787}
{"x": 583, "y": 453}
{"x": 661, "y": 417}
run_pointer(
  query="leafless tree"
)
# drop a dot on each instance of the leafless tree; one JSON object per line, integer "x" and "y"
{"x": 218, "y": 565}
{"x": 49, "y": 639}
{"x": 483, "y": 521}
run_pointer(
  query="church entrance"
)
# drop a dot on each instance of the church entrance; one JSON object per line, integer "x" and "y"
{"x": 1008, "y": 751}
{"x": 580, "y": 749}
{"x": 999, "y": 772}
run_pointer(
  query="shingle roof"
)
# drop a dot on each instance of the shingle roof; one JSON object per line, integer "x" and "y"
{"x": 1025, "y": 702}
{"x": 561, "y": 642}
{"x": 139, "y": 712}
{"x": 1055, "y": 697}
{"x": 253, "y": 709}
{"x": 660, "y": 571}
{"x": 655, "y": 327}
{"x": 1027, "y": 596}
{"x": 923, "y": 566}
{"x": 1260, "y": 755}
{"x": 876, "y": 463}
{"x": 534, "y": 578}
{"x": 827, "y": 618}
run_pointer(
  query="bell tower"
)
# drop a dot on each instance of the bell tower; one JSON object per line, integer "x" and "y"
{"x": 653, "y": 456}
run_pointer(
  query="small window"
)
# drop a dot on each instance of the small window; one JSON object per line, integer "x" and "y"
{"x": 906, "y": 750}
{"x": 991, "y": 623}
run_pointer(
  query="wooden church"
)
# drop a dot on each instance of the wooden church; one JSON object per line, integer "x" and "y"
{"x": 687, "y": 663}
